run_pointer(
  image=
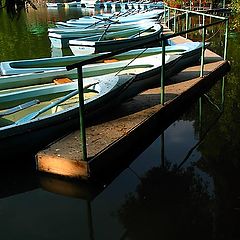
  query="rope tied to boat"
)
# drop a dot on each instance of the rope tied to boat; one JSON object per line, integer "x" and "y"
{"x": 131, "y": 61}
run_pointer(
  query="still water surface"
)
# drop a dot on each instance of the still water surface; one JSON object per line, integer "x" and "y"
{"x": 182, "y": 184}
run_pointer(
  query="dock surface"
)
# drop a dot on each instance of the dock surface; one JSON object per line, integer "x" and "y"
{"x": 123, "y": 128}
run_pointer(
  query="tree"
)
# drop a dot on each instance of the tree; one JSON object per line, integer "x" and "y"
{"x": 14, "y": 7}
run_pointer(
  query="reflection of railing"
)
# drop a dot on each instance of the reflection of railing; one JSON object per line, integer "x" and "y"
{"x": 202, "y": 135}
{"x": 163, "y": 39}
{"x": 210, "y": 127}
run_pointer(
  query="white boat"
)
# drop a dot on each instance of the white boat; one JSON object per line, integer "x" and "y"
{"x": 83, "y": 46}
{"x": 71, "y": 4}
{"x": 153, "y": 14}
{"x": 61, "y": 40}
{"x": 68, "y": 28}
{"x": 54, "y": 5}
{"x": 34, "y": 117}
{"x": 88, "y": 3}
{"x": 59, "y": 63}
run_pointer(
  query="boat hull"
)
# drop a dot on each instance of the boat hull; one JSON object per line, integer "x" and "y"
{"x": 84, "y": 46}
{"x": 40, "y": 131}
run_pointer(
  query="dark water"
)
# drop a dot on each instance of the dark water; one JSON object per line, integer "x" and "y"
{"x": 183, "y": 185}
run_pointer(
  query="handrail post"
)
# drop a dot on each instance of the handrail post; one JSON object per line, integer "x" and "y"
{"x": 163, "y": 71}
{"x": 162, "y": 151}
{"x": 186, "y": 35}
{"x": 200, "y": 113}
{"x": 174, "y": 22}
{"x": 168, "y": 17}
{"x": 164, "y": 14}
{"x": 81, "y": 114}
{"x": 203, "y": 47}
{"x": 223, "y": 93}
{"x": 226, "y": 40}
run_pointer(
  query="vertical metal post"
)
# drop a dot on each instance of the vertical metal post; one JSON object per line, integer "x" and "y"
{"x": 186, "y": 28}
{"x": 226, "y": 40}
{"x": 90, "y": 220}
{"x": 190, "y": 7}
{"x": 168, "y": 17}
{"x": 163, "y": 71}
{"x": 203, "y": 47}
{"x": 200, "y": 113}
{"x": 162, "y": 151}
{"x": 81, "y": 114}
{"x": 224, "y": 4}
{"x": 164, "y": 14}
{"x": 174, "y": 23}
{"x": 223, "y": 93}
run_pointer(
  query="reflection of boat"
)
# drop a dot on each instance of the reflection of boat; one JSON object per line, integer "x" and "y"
{"x": 61, "y": 40}
{"x": 59, "y": 63}
{"x": 111, "y": 43}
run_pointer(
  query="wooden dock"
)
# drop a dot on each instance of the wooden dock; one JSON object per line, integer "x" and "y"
{"x": 123, "y": 129}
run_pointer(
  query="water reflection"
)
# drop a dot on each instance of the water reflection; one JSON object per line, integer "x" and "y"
{"x": 147, "y": 200}
{"x": 167, "y": 204}
{"x": 183, "y": 183}
{"x": 26, "y": 37}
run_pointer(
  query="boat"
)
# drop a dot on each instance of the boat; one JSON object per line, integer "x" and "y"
{"x": 54, "y": 5}
{"x": 33, "y": 117}
{"x": 58, "y": 64}
{"x": 131, "y": 62}
{"x": 114, "y": 26}
{"x": 88, "y": 3}
{"x": 110, "y": 66}
{"x": 101, "y": 20}
{"x": 91, "y": 20}
{"x": 71, "y": 4}
{"x": 111, "y": 43}
{"x": 61, "y": 40}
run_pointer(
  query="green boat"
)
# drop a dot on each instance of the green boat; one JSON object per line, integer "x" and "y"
{"x": 33, "y": 117}
{"x": 59, "y": 63}
{"x": 116, "y": 41}
{"x": 61, "y": 40}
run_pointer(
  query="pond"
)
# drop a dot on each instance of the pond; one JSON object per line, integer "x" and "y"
{"x": 183, "y": 184}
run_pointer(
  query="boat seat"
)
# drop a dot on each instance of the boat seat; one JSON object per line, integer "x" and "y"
{"x": 62, "y": 80}
{"x": 110, "y": 60}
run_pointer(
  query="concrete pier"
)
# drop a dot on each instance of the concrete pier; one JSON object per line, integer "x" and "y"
{"x": 133, "y": 120}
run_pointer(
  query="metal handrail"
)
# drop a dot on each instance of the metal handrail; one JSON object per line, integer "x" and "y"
{"x": 161, "y": 38}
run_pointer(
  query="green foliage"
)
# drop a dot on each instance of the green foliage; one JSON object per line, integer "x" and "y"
{"x": 235, "y": 5}
{"x": 14, "y": 7}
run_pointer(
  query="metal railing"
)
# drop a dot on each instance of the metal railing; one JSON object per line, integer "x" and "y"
{"x": 162, "y": 38}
